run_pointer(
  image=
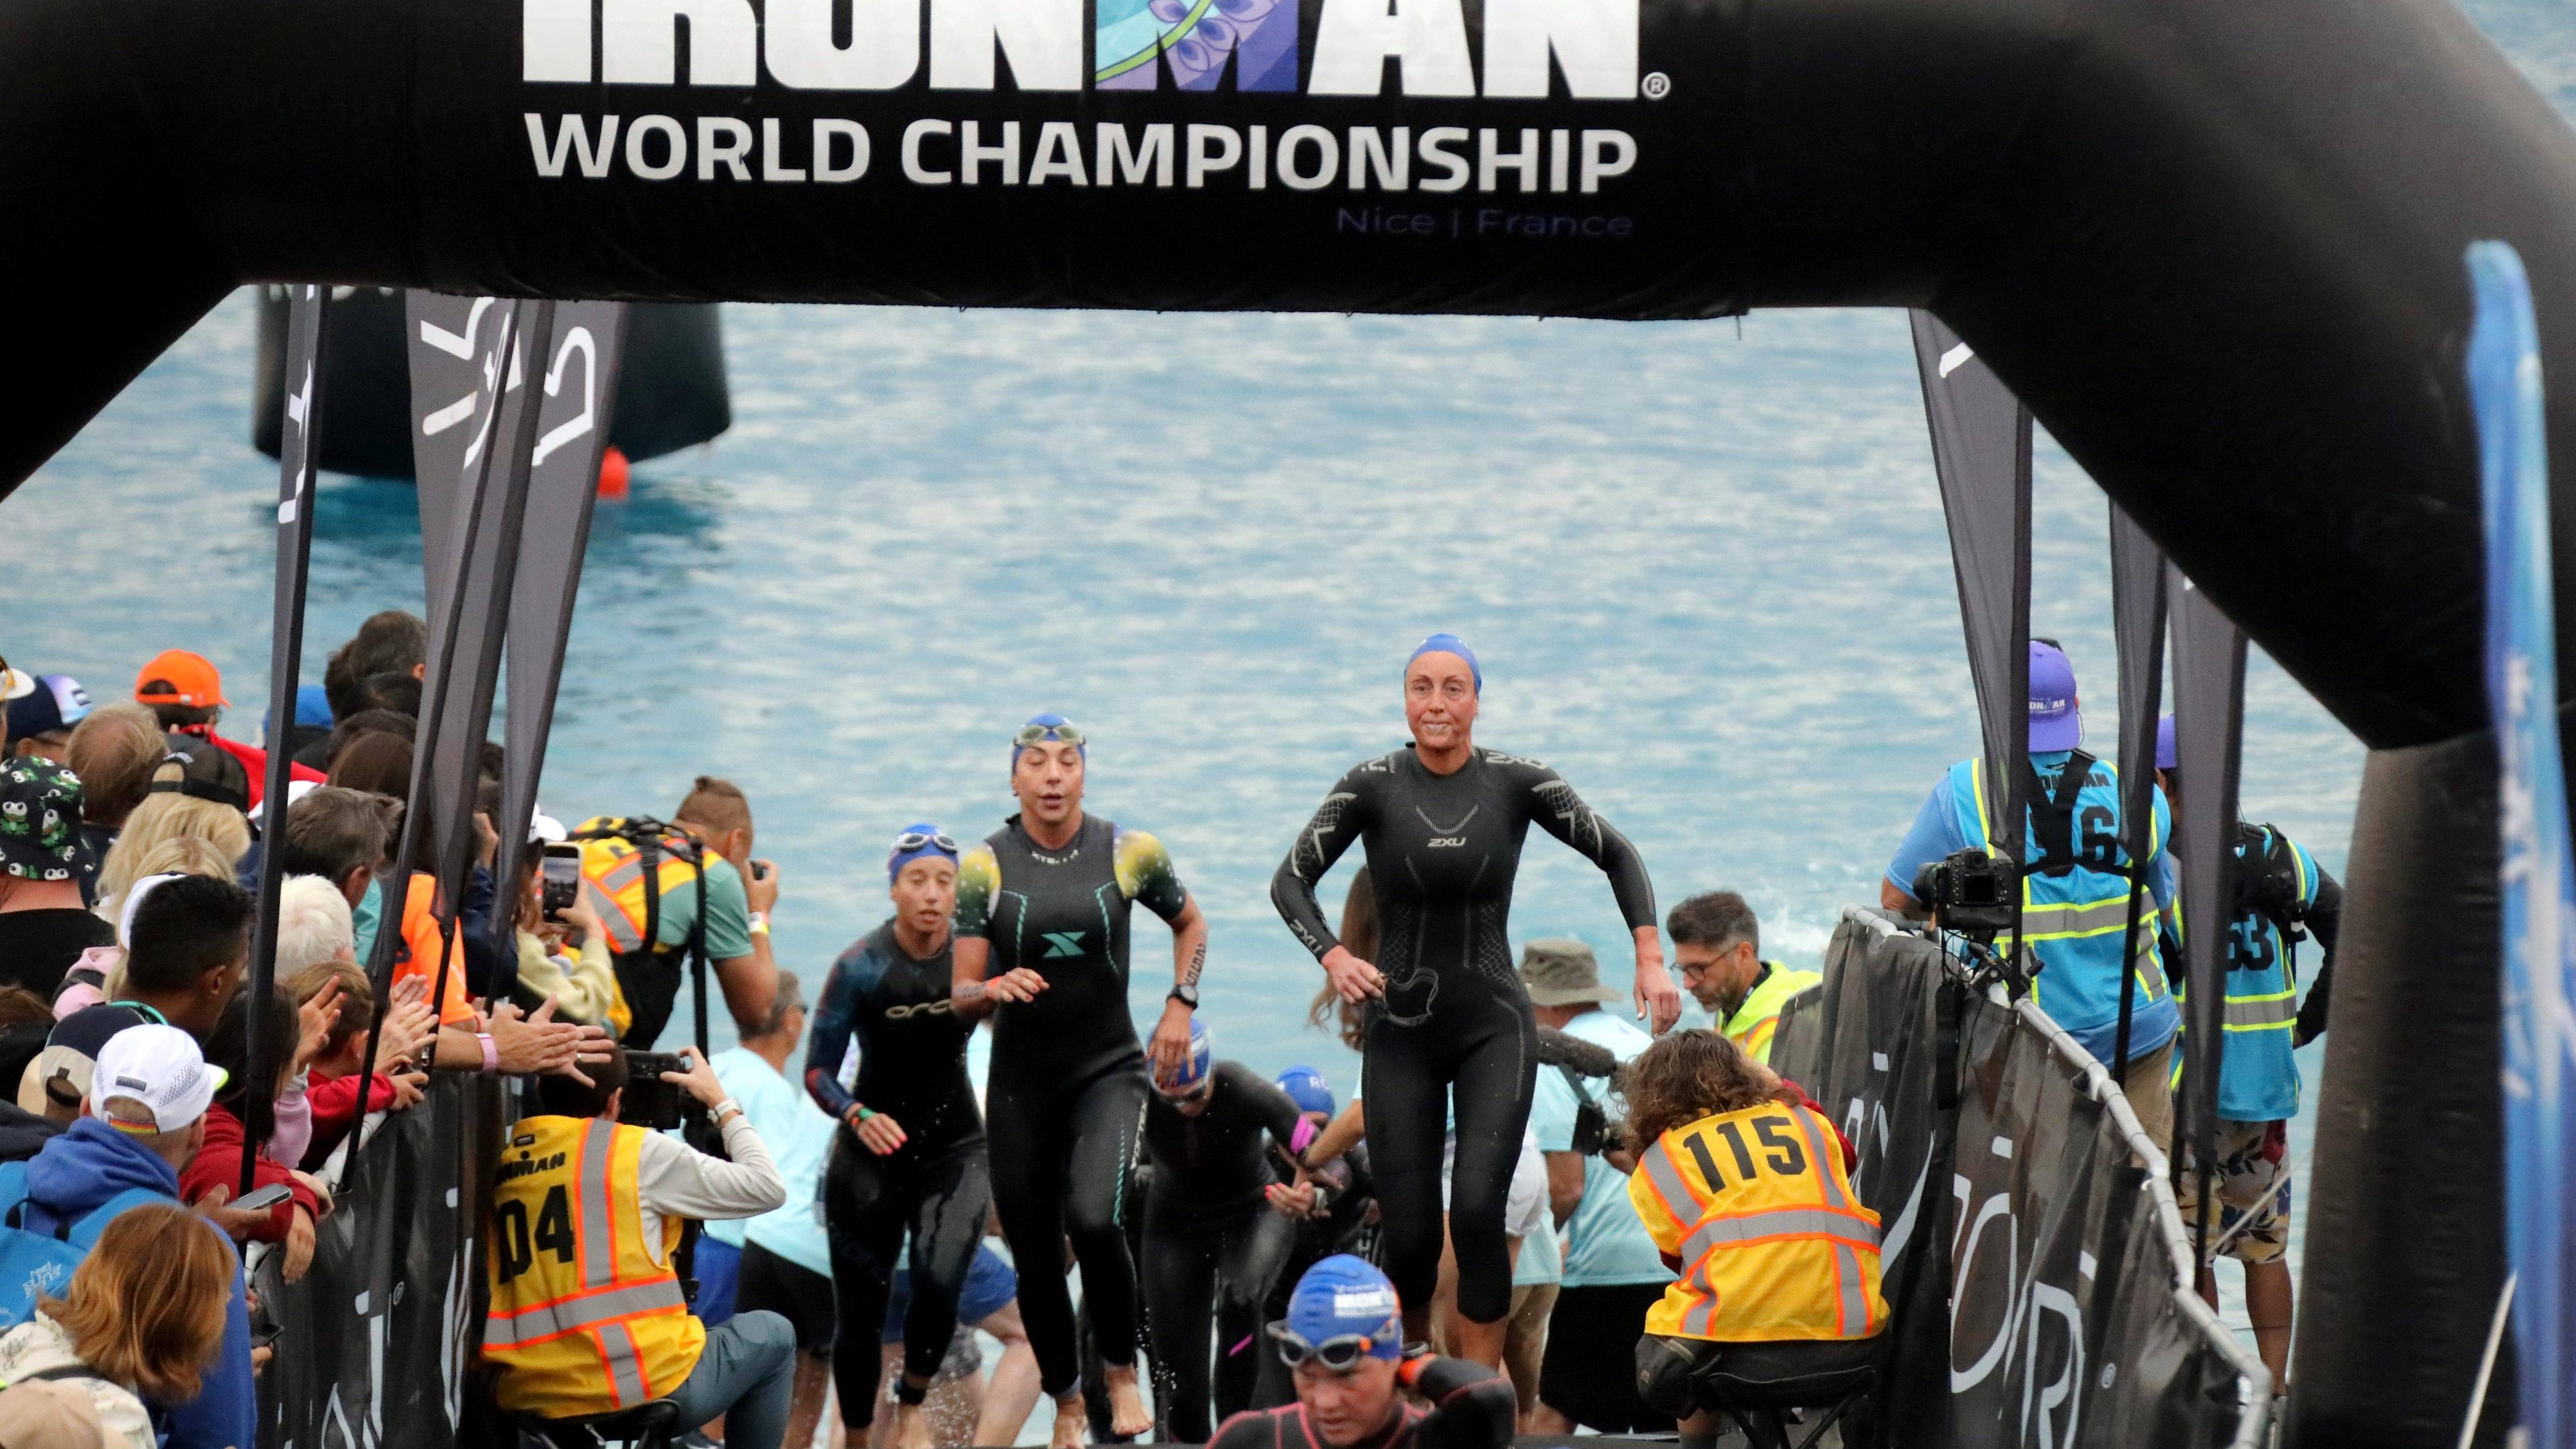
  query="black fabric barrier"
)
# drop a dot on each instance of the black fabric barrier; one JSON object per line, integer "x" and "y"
{"x": 2031, "y": 1263}
{"x": 375, "y": 1342}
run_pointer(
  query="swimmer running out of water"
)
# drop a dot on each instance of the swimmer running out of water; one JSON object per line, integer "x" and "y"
{"x": 1042, "y": 916}
{"x": 1442, "y": 822}
{"x": 910, "y": 1156}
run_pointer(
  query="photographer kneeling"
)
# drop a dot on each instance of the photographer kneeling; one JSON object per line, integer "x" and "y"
{"x": 587, "y": 1312}
{"x": 1746, "y": 1188}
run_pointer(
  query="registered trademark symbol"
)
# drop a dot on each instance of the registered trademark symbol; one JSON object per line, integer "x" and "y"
{"x": 1656, "y": 85}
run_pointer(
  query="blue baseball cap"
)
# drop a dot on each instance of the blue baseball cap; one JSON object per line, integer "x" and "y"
{"x": 1347, "y": 1297}
{"x": 2055, "y": 722}
{"x": 1195, "y": 1067}
{"x": 1307, "y": 1088}
{"x": 915, "y": 841}
{"x": 53, "y": 703}
{"x": 1449, "y": 644}
{"x": 2165, "y": 756}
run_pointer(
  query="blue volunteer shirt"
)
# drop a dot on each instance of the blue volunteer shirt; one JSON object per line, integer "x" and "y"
{"x": 2258, "y": 1077}
{"x": 2074, "y": 920}
{"x": 1605, "y": 1242}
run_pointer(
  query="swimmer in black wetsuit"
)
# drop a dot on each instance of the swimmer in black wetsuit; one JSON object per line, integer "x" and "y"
{"x": 910, "y": 1157}
{"x": 1340, "y": 1336}
{"x": 1042, "y": 913}
{"x": 1213, "y": 1247}
{"x": 1443, "y": 823}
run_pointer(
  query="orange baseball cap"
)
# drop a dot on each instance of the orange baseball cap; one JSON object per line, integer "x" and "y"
{"x": 176, "y": 676}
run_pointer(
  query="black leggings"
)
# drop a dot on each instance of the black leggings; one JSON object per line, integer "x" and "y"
{"x": 869, "y": 1203}
{"x": 1199, "y": 1271}
{"x": 1062, "y": 1157}
{"x": 1488, "y": 1050}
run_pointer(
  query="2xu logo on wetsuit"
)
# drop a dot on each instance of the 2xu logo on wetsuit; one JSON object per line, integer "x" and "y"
{"x": 1589, "y": 47}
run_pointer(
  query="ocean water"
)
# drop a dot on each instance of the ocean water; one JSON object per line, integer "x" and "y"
{"x": 1703, "y": 562}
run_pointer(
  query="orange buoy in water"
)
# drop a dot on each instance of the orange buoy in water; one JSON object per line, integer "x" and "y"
{"x": 612, "y": 472}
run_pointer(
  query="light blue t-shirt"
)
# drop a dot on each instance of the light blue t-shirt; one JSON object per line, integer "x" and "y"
{"x": 1606, "y": 1244}
{"x": 798, "y": 1137}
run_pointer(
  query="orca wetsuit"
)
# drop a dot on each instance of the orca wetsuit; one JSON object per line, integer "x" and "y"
{"x": 1471, "y": 1407}
{"x": 1213, "y": 1246}
{"x": 1442, "y": 853}
{"x": 912, "y": 1067}
{"x": 1067, "y": 1088}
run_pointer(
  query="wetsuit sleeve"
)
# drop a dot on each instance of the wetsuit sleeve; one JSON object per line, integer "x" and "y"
{"x": 979, "y": 879}
{"x": 1146, "y": 876}
{"x": 2323, "y": 917}
{"x": 1561, "y": 813}
{"x": 828, "y": 1040}
{"x": 1259, "y": 1100}
{"x": 1250, "y": 1429}
{"x": 1472, "y": 1407}
{"x": 1338, "y": 822}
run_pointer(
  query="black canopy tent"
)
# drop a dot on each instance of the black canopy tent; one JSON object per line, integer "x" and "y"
{"x": 2215, "y": 247}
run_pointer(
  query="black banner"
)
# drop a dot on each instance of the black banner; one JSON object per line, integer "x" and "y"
{"x": 2209, "y": 717}
{"x": 2032, "y": 1264}
{"x": 573, "y": 420}
{"x": 375, "y": 1342}
{"x": 2138, "y": 627}
{"x": 1981, "y": 450}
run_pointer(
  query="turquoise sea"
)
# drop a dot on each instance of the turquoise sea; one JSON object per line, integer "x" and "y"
{"x": 1703, "y": 562}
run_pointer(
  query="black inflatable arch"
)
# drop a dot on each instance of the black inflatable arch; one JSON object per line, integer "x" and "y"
{"x": 2215, "y": 245}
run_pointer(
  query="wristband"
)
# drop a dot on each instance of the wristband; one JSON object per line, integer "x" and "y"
{"x": 760, "y": 923}
{"x": 491, "y": 1052}
{"x": 718, "y": 1111}
{"x": 865, "y": 1112}
{"x": 1302, "y": 1138}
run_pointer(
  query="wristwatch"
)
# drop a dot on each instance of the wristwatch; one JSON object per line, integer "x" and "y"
{"x": 1186, "y": 995}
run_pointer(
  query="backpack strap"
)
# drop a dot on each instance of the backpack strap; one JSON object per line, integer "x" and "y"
{"x": 2052, "y": 814}
{"x": 13, "y": 1193}
{"x": 66, "y": 1371}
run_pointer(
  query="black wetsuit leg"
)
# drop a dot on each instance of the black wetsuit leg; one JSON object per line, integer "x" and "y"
{"x": 1180, "y": 1303}
{"x": 864, "y": 1217}
{"x": 1062, "y": 1157}
{"x": 1248, "y": 1263}
{"x": 951, "y": 1199}
{"x": 1484, "y": 1056}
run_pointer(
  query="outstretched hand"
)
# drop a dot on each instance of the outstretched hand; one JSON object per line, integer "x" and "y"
{"x": 1659, "y": 1002}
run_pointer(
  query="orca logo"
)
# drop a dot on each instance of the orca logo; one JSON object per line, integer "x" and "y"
{"x": 1062, "y": 943}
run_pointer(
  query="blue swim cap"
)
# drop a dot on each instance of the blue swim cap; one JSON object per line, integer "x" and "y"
{"x": 1307, "y": 1088}
{"x": 1194, "y": 1068}
{"x": 916, "y": 841}
{"x": 2165, "y": 743}
{"x": 1344, "y": 1296}
{"x": 1049, "y": 727}
{"x": 1449, "y": 644}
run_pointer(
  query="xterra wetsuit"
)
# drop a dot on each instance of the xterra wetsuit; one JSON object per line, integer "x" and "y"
{"x": 1068, "y": 1086}
{"x": 1213, "y": 1246}
{"x": 912, "y": 1067}
{"x": 1442, "y": 852}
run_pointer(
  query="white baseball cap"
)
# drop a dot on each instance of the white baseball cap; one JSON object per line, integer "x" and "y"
{"x": 159, "y": 1069}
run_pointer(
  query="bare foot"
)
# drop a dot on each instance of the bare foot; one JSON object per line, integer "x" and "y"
{"x": 1127, "y": 1416}
{"x": 911, "y": 1427}
{"x": 1072, "y": 1424}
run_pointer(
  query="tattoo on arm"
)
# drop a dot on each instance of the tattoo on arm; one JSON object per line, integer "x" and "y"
{"x": 968, "y": 990}
{"x": 1198, "y": 962}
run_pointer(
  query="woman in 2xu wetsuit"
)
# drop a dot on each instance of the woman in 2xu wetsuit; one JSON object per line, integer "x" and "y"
{"x": 1213, "y": 1247}
{"x": 1443, "y": 823}
{"x": 1042, "y": 911}
{"x": 912, "y": 1156}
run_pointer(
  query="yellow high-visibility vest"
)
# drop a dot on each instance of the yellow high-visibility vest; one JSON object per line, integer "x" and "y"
{"x": 612, "y": 877}
{"x": 587, "y": 1316}
{"x": 1755, "y": 1022}
{"x": 1773, "y": 1242}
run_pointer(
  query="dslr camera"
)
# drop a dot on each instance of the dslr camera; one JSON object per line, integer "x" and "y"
{"x": 655, "y": 1104}
{"x": 1971, "y": 892}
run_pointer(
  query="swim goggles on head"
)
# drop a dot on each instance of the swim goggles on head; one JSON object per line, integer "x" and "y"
{"x": 1340, "y": 1353}
{"x": 912, "y": 840}
{"x": 1040, "y": 734}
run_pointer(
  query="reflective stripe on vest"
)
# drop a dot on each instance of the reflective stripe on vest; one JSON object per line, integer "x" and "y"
{"x": 1771, "y": 1247}
{"x": 2050, "y": 926}
{"x": 612, "y": 880}
{"x": 587, "y": 1315}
